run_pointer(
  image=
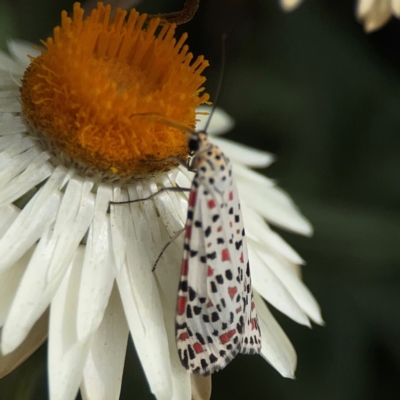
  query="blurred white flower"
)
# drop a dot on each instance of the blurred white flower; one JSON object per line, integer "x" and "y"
{"x": 67, "y": 257}
{"x": 290, "y": 5}
{"x": 375, "y": 13}
{"x": 372, "y": 13}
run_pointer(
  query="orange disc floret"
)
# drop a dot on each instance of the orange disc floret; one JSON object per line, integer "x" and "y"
{"x": 103, "y": 90}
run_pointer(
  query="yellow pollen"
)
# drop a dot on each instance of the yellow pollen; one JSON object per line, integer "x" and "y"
{"x": 99, "y": 92}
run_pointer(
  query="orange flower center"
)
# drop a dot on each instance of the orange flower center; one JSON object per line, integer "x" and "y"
{"x": 103, "y": 91}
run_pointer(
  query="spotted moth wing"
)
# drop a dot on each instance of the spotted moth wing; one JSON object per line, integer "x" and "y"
{"x": 216, "y": 318}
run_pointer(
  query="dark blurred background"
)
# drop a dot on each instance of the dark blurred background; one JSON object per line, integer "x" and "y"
{"x": 322, "y": 95}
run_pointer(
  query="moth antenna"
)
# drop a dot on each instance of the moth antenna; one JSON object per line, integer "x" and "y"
{"x": 164, "y": 120}
{"x": 219, "y": 87}
{"x": 179, "y": 17}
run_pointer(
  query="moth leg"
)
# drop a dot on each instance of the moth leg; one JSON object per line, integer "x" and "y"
{"x": 170, "y": 189}
{"x": 170, "y": 241}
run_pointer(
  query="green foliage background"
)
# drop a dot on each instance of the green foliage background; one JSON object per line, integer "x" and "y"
{"x": 322, "y": 95}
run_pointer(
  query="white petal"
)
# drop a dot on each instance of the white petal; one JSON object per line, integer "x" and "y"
{"x": 36, "y": 173}
{"x": 275, "y": 205}
{"x": 73, "y": 220}
{"x": 243, "y": 154}
{"x": 258, "y": 231}
{"x": 35, "y": 339}
{"x": 15, "y": 145}
{"x": 220, "y": 122}
{"x": 148, "y": 334}
{"x": 140, "y": 296}
{"x": 276, "y": 347}
{"x": 8, "y": 65}
{"x": 182, "y": 179}
{"x": 201, "y": 387}
{"x": 364, "y": 7}
{"x": 8, "y": 214}
{"x": 244, "y": 173}
{"x": 21, "y": 50}
{"x": 283, "y": 271}
{"x": 11, "y": 167}
{"x": 7, "y": 141}
{"x": 10, "y": 94}
{"x": 31, "y": 222}
{"x": 180, "y": 377}
{"x": 50, "y": 260}
{"x": 31, "y": 299}
{"x": 10, "y": 105}
{"x": 146, "y": 216}
{"x": 172, "y": 207}
{"x": 168, "y": 277}
{"x": 271, "y": 288}
{"x": 8, "y": 80}
{"x": 290, "y": 5}
{"x": 9, "y": 282}
{"x": 119, "y": 243}
{"x": 66, "y": 355}
{"x": 378, "y": 15}
{"x": 11, "y": 124}
{"x": 396, "y": 7}
{"x": 104, "y": 367}
{"x": 98, "y": 271}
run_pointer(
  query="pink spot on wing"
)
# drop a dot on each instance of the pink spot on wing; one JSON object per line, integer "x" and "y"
{"x": 230, "y": 195}
{"x": 211, "y": 204}
{"x": 198, "y": 348}
{"x": 184, "y": 336}
{"x": 181, "y": 304}
{"x": 210, "y": 271}
{"x": 192, "y": 198}
{"x": 224, "y": 338}
{"x": 184, "y": 271}
{"x": 241, "y": 258}
{"x": 232, "y": 291}
{"x": 219, "y": 229}
{"x": 225, "y": 255}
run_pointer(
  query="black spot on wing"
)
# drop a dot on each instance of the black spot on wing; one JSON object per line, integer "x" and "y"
{"x": 192, "y": 355}
{"x": 183, "y": 355}
{"x": 189, "y": 311}
{"x": 200, "y": 338}
{"x": 183, "y": 286}
{"x": 204, "y": 363}
{"x": 192, "y": 293}
{"x": 214, "y": 317}
{"x": 197, "y": 310}
{"x": 215, "y": 217}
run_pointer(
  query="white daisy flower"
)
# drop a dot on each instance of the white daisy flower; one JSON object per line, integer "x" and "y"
{"x": 71, "y": 140}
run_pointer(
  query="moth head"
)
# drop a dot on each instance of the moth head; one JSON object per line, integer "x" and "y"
{"x": 197, "y": 141}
